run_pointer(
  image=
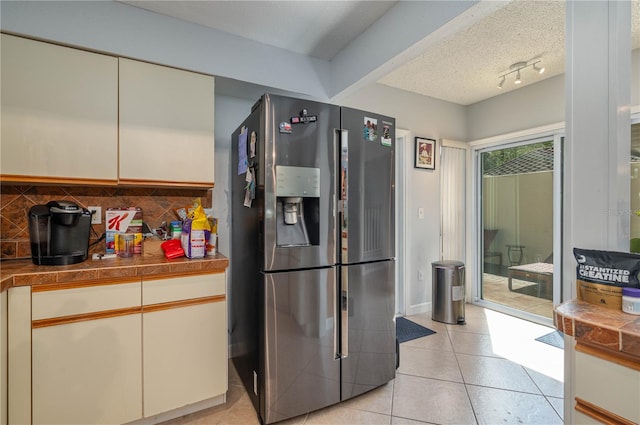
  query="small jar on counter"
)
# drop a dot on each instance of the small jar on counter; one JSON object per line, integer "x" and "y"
{"x": 175, "y": 229}
{"x": 631, "y": 300}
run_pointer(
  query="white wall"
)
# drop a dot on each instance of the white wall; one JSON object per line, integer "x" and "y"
{"x": 529, "y": 107}
{"x": 635, "y": 77}
{"x": 533, "y": 106}
{"x": 230, "y": 112}
{"x": 123, "y": 30}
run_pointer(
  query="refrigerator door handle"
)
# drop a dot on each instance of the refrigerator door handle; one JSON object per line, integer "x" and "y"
{"x": 344, "y": 319}
{"x": 344, "y": 193}
{"x": 336, "y": 319}
{"x": 335, "y": 199}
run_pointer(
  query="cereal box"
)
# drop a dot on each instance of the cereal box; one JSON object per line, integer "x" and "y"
{"x": 123, "y": 220}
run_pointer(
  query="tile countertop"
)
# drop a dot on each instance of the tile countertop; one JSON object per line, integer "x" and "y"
{"x": 151, "y": 262}
{"x": 600, "y": 327}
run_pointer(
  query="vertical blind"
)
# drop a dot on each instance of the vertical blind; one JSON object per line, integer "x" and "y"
{"x": 453, "y": 200}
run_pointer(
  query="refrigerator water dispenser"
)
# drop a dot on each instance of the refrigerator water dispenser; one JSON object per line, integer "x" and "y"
{"x": 297, "y": 209}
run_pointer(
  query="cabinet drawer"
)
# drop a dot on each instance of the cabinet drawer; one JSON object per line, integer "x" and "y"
{"x": 82, "y": 300}
{"x": 156, "y": 291}
{"x": 610, "y": 386}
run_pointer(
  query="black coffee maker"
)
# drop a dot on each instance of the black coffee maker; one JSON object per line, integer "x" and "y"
{"x": 59, "y": 233}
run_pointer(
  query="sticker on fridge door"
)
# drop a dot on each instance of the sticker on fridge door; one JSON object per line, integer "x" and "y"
{"x": 370, "y": 129}
{"x": 252, "y": 145}
{"x": 242, "y": 151}
{"x": 385, "y": 140}
{"x": 249, "y": 189}
{"x": 285, "y": 127}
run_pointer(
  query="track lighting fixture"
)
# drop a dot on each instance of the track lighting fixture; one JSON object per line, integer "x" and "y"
{"x": 538, "y": 70}
{"x": 517, "y": 67}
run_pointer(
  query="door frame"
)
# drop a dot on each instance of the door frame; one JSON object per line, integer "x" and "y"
{"x": 555, "y": 132}
{"x": 403, "y": 137}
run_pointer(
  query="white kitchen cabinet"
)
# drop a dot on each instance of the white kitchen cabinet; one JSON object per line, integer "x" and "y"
{"x": 19, "y": 355}
{"x": 612, "y": 387}
{"x": 59, "y": 114}
{"x": 601, "y": 387}
{"x": 3, "y": 357}
{"x": 184, "y": 341}
{"x": 166, "y": 125}
{"x": 86, "y": 354}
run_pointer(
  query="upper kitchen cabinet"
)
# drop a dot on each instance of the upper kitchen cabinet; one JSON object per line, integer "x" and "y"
{"x": 59, "y": 114}
{"x": 166, "y": 126}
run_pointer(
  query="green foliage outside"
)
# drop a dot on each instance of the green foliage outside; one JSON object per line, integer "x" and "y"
{"x": 495, "y": 159}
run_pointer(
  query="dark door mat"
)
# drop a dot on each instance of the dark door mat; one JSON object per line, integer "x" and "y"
{"x": 555, "y": 338}
{"x": 406, "y": 330}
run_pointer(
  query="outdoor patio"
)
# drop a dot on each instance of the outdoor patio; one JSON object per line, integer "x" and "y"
{"x": 523, "y": 297}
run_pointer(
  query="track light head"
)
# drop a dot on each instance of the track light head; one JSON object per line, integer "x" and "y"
{"x": 502, "y": 82}
{"x": 540, "y": 70}
{"x": 518, "y": 79}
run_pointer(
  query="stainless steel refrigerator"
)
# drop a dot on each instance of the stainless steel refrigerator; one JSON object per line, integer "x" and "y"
{"x": 313, "y": 259}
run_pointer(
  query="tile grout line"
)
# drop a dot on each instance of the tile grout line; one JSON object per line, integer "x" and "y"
{"x": 464, "y": 383}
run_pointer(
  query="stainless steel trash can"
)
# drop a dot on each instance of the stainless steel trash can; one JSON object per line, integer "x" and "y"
{"x": 448, "y": 292}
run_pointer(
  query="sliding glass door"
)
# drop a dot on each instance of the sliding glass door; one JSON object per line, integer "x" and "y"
{"x": 519, "y": 203}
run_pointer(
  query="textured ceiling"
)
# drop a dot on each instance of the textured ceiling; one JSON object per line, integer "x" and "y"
{"x": 463, "y": 68}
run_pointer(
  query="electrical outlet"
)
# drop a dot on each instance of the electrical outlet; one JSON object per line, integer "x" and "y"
{"x": 96, "y": 217}
{"x": 421, "y": 213}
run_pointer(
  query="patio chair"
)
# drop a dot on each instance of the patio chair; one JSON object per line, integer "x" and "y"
{"x": 539, "y": 273}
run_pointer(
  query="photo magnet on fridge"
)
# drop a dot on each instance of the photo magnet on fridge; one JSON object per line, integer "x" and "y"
{"x": 370, "y": 129}
{"x": 385, "y": 140}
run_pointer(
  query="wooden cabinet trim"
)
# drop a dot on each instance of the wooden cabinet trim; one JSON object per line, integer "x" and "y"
{"x": 600, "y": 414}
{"x": 64, "y": 320}
{"x": 616, "y": 357}
{"x": 56, "y": 321}
{"x": 183, "y": 274}
{"x": 164, "y": 183}
{"x": 183, "y": 303}
{"x": 45, "y": 287}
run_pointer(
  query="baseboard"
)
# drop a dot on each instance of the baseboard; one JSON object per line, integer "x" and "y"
{"x": 418, "y": 309}
{"x": 182, "y": 411}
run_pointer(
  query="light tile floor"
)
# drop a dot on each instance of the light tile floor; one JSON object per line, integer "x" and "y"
{"x": 489, "y": 371}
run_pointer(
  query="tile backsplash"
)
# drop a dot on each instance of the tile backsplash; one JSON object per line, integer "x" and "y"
{"x": 15, "y": 201}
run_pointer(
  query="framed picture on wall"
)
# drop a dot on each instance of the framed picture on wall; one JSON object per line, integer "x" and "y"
{"x": 425, "y": 153}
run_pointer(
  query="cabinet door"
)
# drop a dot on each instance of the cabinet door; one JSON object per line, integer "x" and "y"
{"x": 88, "y": 372}
{"x": 59, "y": 113}
{"x": 610, "y": 386}
{"x": 86, "y": 353}
{"x": 166, "y": 125}
{"x": 184, "y": 342}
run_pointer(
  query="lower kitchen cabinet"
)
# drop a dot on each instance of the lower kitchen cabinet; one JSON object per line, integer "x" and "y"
{"x": 114, "y": 351}
{"x": 185, "y": 341}
{"x": 606, "y": 390}
{"x": 88, "y": 372}
{"x": 602, "y": 386}
{"x": 86, "y": 350}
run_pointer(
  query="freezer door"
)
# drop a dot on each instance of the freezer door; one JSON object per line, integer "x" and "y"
{"x": 297, "y": 182}
{"x": 370, "y": 360}
{"x": 367, "y": 188}
{"x": 301, "y": 372}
